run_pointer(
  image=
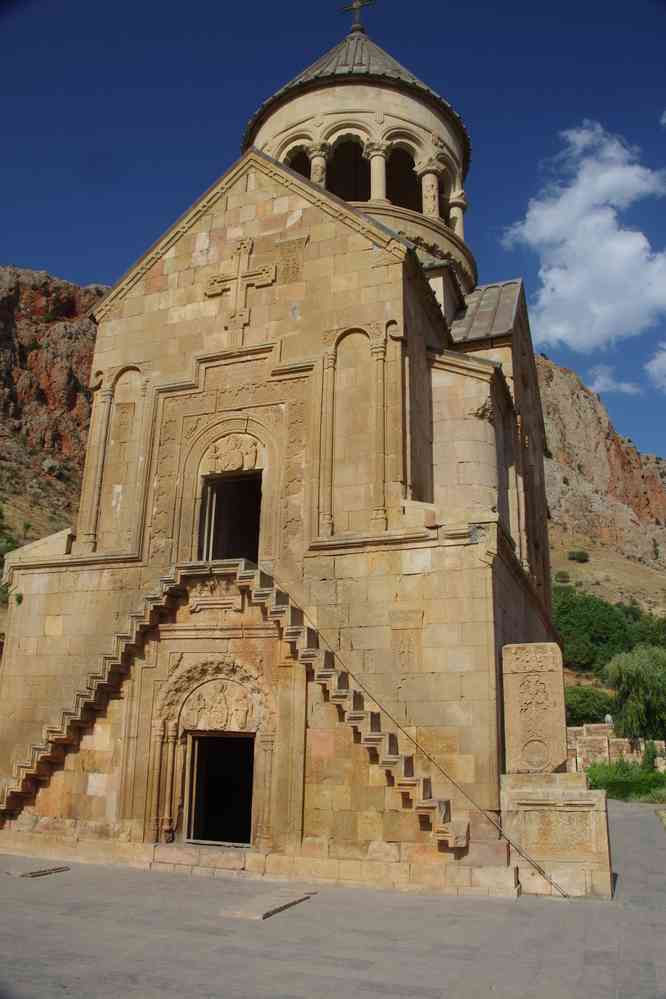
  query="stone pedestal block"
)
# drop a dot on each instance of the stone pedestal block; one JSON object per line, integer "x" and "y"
{"x": 564, "y": 827}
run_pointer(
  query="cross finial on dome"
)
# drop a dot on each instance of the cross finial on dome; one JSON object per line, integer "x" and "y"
{"x": 355, "y": 7}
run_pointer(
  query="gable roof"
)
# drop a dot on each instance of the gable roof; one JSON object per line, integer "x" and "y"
{"x": 489, "y": 311}
{"x": 357, "y": 57}
{"x": 331, "y": 205}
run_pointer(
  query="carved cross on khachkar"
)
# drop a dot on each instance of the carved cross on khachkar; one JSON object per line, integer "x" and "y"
{"x": 356, "y": 6}
{"x": 236, "y": 284}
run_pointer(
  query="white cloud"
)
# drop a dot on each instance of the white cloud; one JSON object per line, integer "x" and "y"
{"x": 600, "y": 282}
{"x": 656, "y": 368}
{"x": 603, "y": 380}
{"x": 662, "y": 120}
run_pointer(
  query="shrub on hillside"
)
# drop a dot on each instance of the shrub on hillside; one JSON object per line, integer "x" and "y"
{"x": 562, "y": 577}
{"x": 639, "y": 680}
{"x": 587, "y": 705}
{"x": 593, "y": 631}
{"x": 578, "y": 555}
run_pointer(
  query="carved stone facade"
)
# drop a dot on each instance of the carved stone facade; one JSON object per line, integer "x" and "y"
{"x": 279, "y": 371}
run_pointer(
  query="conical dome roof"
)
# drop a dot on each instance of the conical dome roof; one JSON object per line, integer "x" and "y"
{"x": 356, "y": 57}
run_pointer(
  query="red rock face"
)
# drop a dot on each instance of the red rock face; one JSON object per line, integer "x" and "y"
{"x": 598, "y": 483}
{"x": 46, "y": 347}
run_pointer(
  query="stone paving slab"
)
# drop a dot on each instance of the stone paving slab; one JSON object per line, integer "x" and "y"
{"x": 105, "y": 932}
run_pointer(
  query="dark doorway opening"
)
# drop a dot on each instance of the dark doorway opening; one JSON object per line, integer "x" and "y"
{"x": 348, "y": 173}
{"x": 230, "y": 517}
{"x": 221, "y": 799}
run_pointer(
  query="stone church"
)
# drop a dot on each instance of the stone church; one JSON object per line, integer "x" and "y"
{"x": 302, "y": 625}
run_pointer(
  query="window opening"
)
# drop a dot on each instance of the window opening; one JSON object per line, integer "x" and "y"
{"x": 230, "y": 517}
{"x": 402, "y": 184}
{"x": 348, "y": 173}
{"x": 221, "y": 788}
{"x": 300, "y": 162}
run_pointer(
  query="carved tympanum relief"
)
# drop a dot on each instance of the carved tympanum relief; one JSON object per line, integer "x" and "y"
{"x": 219, "y": 705}
{"x": 194, "y": 673}
{"x": 233, "y": 453}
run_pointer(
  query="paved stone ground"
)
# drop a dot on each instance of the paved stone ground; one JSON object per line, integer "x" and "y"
{"x": 107, "y": 932}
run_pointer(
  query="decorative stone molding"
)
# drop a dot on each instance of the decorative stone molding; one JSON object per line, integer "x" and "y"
{"x": 374, "y": 148}
{"x": 228, "y": 442}
{"x": 432, "y": 164}
{"x": 318, "y": 155}
{"x": 213, "y": 593}
{"x": 318, "y": 149}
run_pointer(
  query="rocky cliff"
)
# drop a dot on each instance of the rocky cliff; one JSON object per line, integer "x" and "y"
{"x": 603, "y": 494}
{"x": 46, "y": 344}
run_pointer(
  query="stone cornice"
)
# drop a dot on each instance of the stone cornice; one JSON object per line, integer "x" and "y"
{"x": 462, "y": 260}
{"x": 332, "y": 206}
{"x": 450, "y": 360}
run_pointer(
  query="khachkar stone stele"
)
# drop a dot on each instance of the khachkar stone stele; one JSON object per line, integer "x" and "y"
{"x": 534, "y": 712}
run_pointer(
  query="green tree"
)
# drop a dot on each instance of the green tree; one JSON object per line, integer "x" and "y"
{"x": 639, "y": 680}
{"x": 592, "y": 630}
{"x": 586, "y": 705}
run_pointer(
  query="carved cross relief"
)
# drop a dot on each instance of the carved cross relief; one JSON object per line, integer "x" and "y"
{"x": 236, "y": 285}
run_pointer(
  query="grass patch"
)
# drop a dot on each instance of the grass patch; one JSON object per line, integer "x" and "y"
{"x": 627, "y": 781}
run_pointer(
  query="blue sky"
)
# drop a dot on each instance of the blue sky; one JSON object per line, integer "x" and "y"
{"x": 116, "y": 118}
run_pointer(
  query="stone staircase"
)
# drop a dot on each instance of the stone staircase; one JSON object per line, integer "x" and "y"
{"x": 363, "y": 715}
{"x": 369, "y": 724}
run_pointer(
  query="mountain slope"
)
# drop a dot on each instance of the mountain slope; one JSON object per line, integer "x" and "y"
{"x": 46, "y": 345}
{"x": 604, "y": 496}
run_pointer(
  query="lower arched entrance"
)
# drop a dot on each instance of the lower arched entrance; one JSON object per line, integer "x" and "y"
{"x": 220, "y": 788}
{"x": 212, "y": 754}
